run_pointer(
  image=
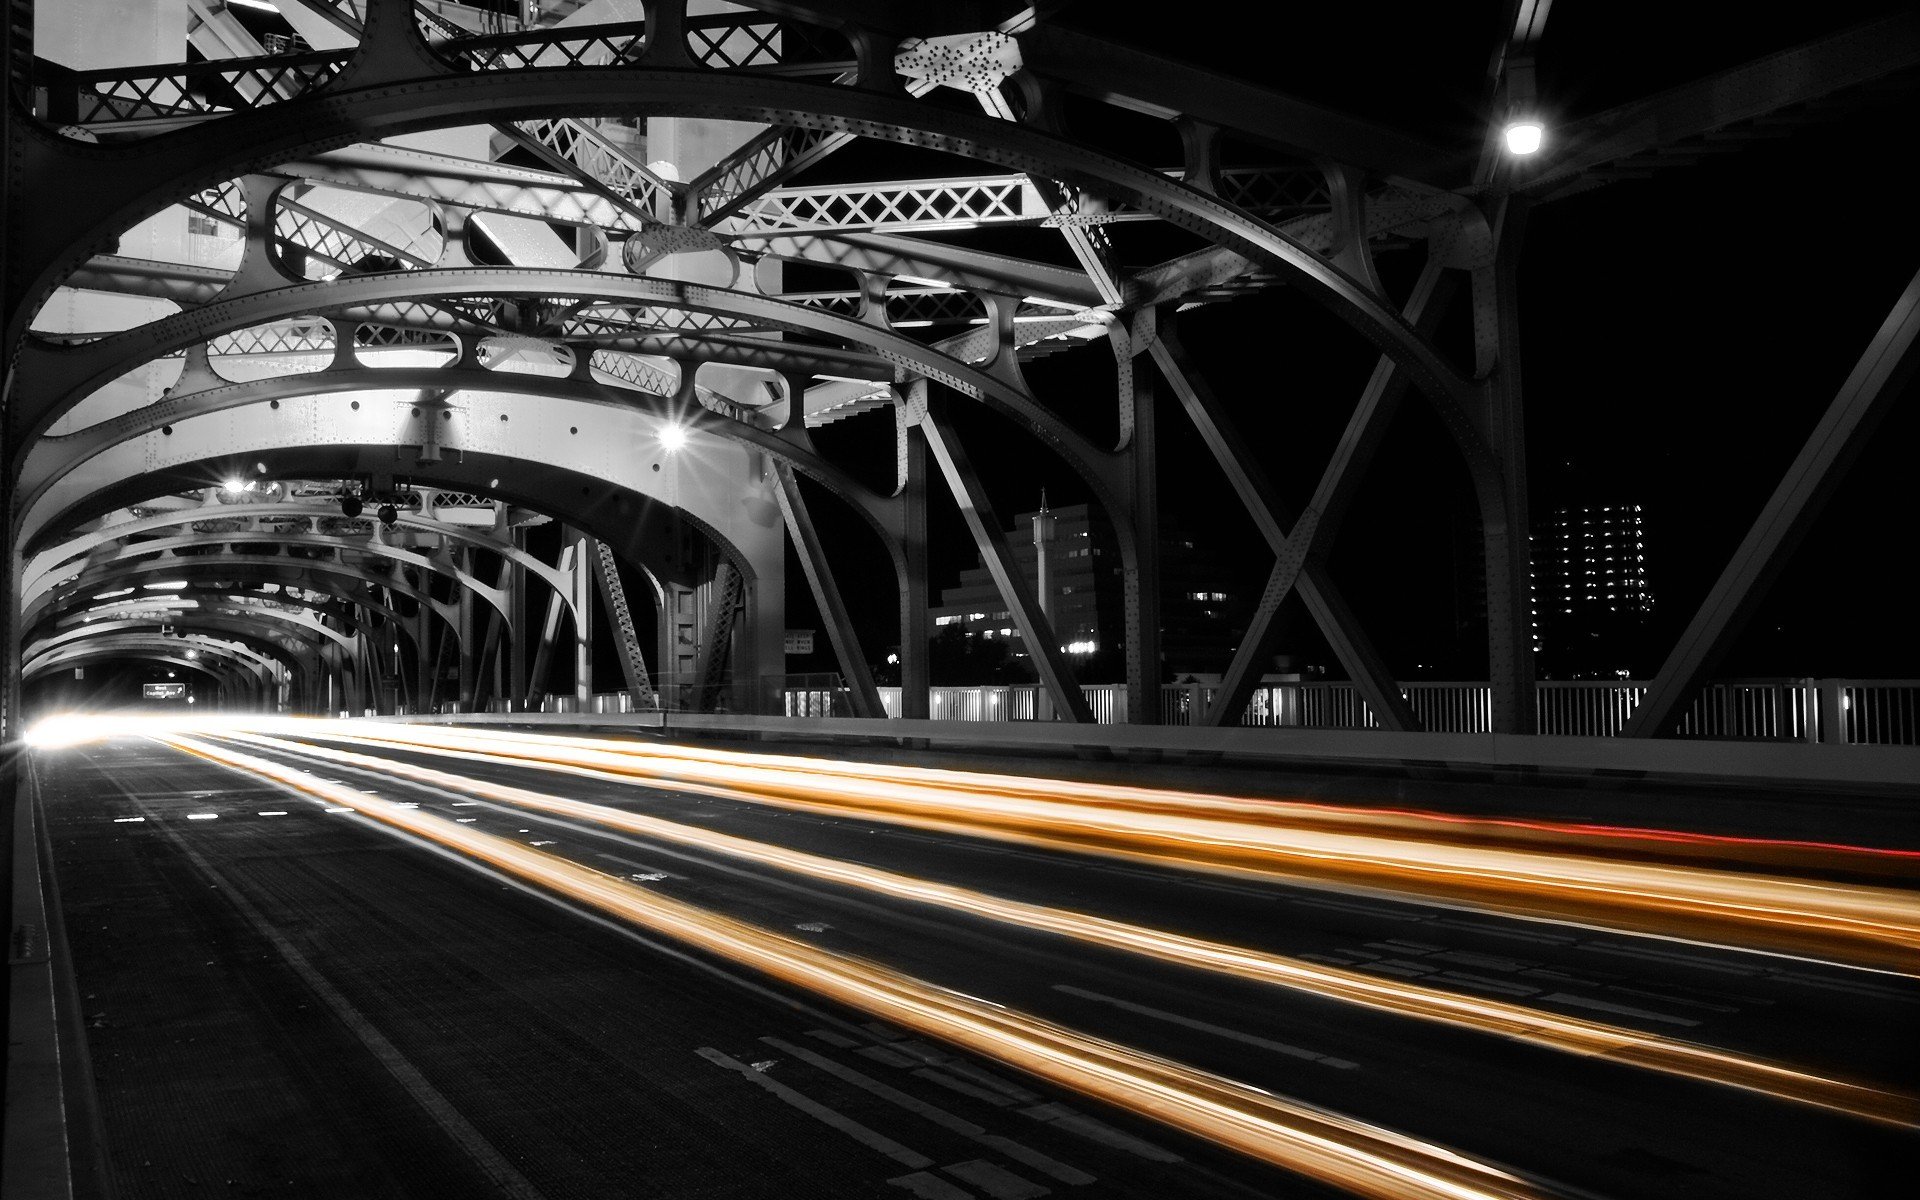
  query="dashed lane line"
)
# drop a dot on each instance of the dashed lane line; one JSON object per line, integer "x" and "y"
{"x": 1158, "y": 1014}
{"x": 1017, "y": 1151}
{"x": 867, "y": 1136}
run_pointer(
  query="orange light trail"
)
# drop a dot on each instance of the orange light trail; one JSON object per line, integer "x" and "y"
{"x": 1855, "y": 923}
{"x": 1498, "y": 1018}
{"x": 1361, "y": 1158}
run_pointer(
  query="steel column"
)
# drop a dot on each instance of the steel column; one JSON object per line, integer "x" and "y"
{"x": 1505, "y": 526}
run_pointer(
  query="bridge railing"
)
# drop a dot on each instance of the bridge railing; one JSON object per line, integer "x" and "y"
{"x": 1882, "y": 712}
{"x": 1844, "y": 711}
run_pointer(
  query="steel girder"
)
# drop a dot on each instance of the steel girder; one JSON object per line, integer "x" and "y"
{"x": 236, "y": 632}
{"x": 86, "y": 543}
{"x": 93, "y": 615}
{"x": 826, "y": 594}
{"x": 173, "y": 651}
{"x": 224, "y": 673}
{"x": 641, "y": 528}
{"x": 1890, "y": 361}
{"x": 66, "y": 373}
{"x": 1720, "y": 112}
{"x": 395, "y": 85}
{"x": 321, "y": 576}
{"x": 52, "y": 458}
{"x": 212, "y": 624}
{"x": 702, "y": 479}
{"x": 228, "y": 603}
{"x": 32, "y": 595}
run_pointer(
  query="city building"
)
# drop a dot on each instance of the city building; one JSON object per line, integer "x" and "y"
{"x": 1591, "y": 596}
{"x": 1204, "y": 604}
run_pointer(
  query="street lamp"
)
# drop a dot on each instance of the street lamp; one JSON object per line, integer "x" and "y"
{"x": 672, "y": 437}
{"x": 1524, "y": 132}
{"x": 1523, "y": 136}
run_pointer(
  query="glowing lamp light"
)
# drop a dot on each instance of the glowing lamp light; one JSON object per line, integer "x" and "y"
{"x": 234, "y": 485}
{"x": 1524, "y": 136}
{"x": 672, "y": 437}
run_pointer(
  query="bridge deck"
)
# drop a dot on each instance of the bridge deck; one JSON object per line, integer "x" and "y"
{"x": 283, "y": 997}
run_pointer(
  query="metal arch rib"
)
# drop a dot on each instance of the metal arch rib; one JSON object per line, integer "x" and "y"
{"x": 224, "y": 603}
{"x": 58, "y": 556}
{"x": 80, "y": 369}
{"x": 207, "y": 622}
{"x": 96, "y": 615}
{"x": 37, "y": 476}
{"x": 493, "y": 596}
{"x": 532, "y": 485}
{"x": 315, "y": 574}
{"x": 169, "y": 650}
{"x": 259, "y": 643}
{"x": 224, "y": 671}
{"x": 191, "y": 159}
{"x": 216, "y": 596}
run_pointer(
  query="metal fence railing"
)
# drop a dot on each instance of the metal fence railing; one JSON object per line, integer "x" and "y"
{"x": 1876, "y": 712}
{"x": 1841, "y": 711}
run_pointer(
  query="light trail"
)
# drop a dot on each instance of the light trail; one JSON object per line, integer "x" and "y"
{"x": 1335, "y": 1149}
{"x": 1867, "y": 925}
{"x": 1801, "y": 853}
{"x": 1498, "y": 1018}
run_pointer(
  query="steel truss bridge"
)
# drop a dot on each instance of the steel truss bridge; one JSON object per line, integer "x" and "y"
{"x": 241, "y": 301}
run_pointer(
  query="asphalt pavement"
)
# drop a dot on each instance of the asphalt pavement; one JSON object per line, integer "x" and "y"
{"x": 284, "y": 998}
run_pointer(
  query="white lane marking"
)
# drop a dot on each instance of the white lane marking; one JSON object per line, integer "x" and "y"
{"x": 203, "y": 816}
{"x": 1016, "y": 1151}
{"x": 274, "y": 812}
{"x": 929, "y": 1187}
{"x": 334, "y": 809}
{"x": 466, "y": 820}
{"x": 873, "y": 1139}
{"x": 954, "y": 1084}
{"x": 813, "y": 926}
{"x": 996, "y": 1181}
{"x": 1098, "y": 1131}
{"x": 128, "y": 820}
{"x": 466, "y": 804}
{"x": 651, "y": 872}
{"x": 1619, "y": 1009}
{"x": 545, "y": 843}
{"x": 484, "y": 1157}
{"x": 1325, "y": 1060}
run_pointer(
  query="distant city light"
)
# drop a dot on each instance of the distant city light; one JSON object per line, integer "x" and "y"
{"x": 1524, "y": 137}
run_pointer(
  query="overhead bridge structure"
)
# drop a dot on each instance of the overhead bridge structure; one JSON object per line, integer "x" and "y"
{"x": 355, "y": 368}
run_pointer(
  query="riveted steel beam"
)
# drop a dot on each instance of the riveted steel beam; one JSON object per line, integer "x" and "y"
{"x": 36, "y": 594}
{"x": 1016, "y": 591}
{"x": 1162, "y": 87}
{"x": 1296, "y": 563}
{"x": 1632, "y": 133}
{"x": 826, "y": 594}
{"x": 73, "y": 371}
{"x": 87, "y": 544}
{"x": 348, "y": 582}
{"x": 176, "y": 651}
{"x": 640, "y": 528}
{"x": 227, "y": 674}
{"x": 95, "y": 614}
{"x": 1889, "y": 363}
{"x": 181, "y": 164}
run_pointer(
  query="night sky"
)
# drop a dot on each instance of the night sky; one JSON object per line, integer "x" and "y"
{"x": 1682, "y": 335}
